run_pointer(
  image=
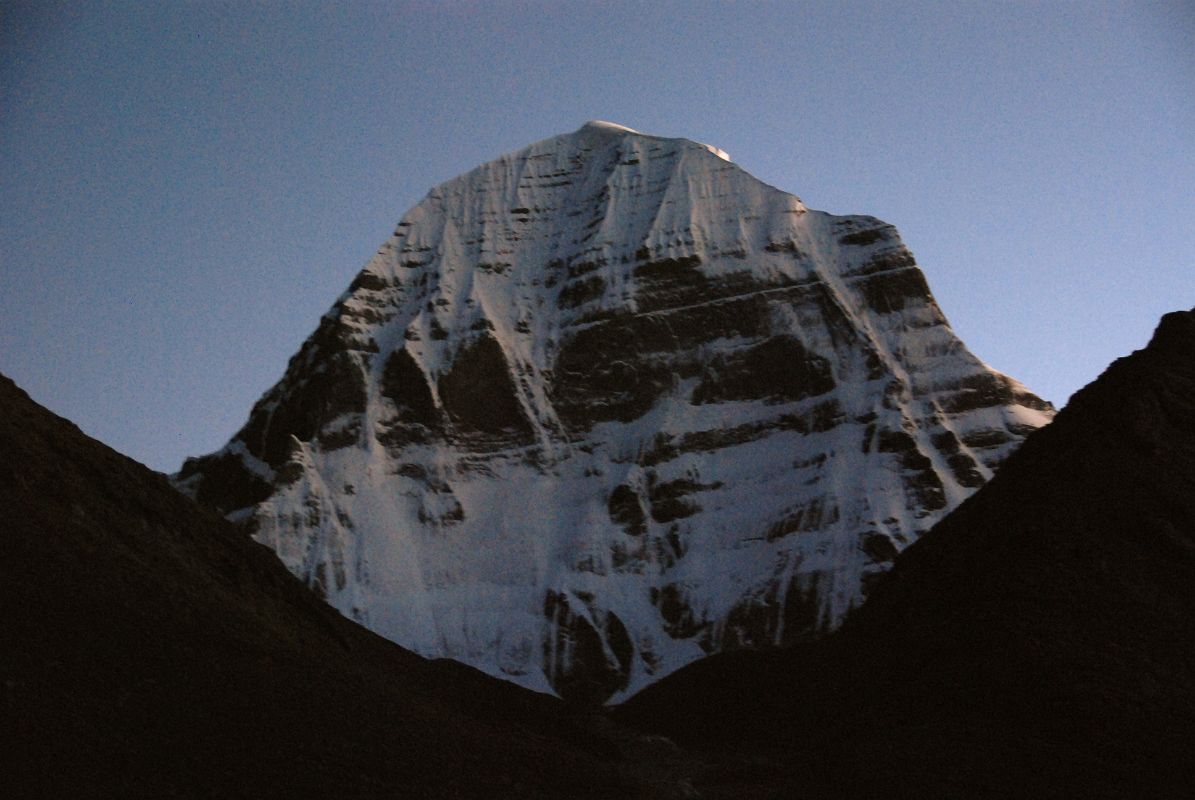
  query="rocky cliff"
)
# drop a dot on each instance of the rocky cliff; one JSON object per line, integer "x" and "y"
{"x": 608, "y": 404}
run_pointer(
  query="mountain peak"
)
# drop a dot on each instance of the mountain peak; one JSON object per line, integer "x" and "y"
{"x": 606, "y": 405}
{"x": 600, "y": 127}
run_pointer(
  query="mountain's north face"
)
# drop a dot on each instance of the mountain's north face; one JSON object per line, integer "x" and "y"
{"x": 608, "y": 404}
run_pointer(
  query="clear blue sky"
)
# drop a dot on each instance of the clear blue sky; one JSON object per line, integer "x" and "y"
{"x": 186, "y": 188}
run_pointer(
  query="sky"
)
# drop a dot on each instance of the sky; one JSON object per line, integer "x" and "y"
{"x": 186, "y": 187}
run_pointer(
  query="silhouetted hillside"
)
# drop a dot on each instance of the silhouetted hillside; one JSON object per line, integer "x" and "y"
{"x": 148, "y": 649}
{"x": 1039, "y": 642}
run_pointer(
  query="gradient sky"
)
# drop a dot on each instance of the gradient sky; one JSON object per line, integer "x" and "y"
{"x": 186, "y": 187}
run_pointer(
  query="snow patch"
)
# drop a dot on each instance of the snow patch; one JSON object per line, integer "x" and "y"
{"x": 602, "y": 125}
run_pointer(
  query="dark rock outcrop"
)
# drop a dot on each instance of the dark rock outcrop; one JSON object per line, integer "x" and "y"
{"x": 479, "y": 395}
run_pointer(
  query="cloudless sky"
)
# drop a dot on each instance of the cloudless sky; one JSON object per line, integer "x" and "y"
{"x": 186, "y": 187}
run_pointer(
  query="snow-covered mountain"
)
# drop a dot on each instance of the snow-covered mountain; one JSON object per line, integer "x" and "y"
{"x": 608, "y": 404}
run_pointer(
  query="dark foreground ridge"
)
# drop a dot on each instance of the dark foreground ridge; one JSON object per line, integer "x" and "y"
{"x": 1038, "y": 642}
{"x": 148, "y": 649}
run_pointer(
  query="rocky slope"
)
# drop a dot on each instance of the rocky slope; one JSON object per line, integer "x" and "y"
{"x": 1038, "y": 642}
{"x": 608, "y": 404}
{"x": 149, "y": 649}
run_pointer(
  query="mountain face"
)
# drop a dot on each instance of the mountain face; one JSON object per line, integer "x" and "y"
{"x": 1038, "y": 642}
{"x": 148, "y": 649}
{"x": 609, "y": 404}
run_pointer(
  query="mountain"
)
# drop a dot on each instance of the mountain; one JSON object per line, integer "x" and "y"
{"x": 1038, "y": 642}
{"x": 609, "y": 404}
{"x": 148, "y": 648}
